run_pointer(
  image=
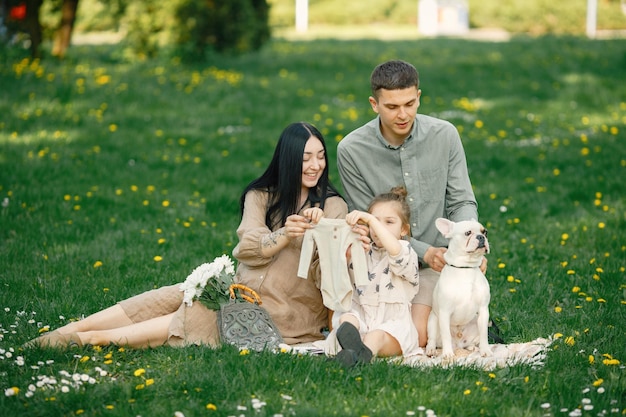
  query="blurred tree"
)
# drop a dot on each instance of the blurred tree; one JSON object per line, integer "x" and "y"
{"x": 63, "y": 35}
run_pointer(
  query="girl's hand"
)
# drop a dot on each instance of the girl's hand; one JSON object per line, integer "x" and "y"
{"x": 313, "y": 214}
{"x": 357, "y": 216}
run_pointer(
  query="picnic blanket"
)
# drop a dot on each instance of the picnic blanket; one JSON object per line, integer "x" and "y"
{"x": 531, "y": 353}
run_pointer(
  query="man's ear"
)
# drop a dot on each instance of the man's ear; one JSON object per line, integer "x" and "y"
{"x": 374, "y": 104}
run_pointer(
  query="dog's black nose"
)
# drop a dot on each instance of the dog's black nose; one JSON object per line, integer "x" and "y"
{"x": 481, "y": 241}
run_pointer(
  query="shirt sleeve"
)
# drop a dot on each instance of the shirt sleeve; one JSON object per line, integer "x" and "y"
{"x": 358, "y": 194}
{"x": 405, "y": 264}
{"x": 460, "y": 200}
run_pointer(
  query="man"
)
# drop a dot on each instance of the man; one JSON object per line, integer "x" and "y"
{"x": 425, "y": 154}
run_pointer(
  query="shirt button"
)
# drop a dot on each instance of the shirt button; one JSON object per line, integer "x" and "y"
{"x": 414, "y": 224}
{"x": 406, "y": 174}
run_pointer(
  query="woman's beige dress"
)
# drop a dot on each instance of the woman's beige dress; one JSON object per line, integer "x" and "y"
{"x": 295, "y": 304}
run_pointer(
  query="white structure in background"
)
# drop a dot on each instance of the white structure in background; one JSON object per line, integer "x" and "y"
{"x": 592, "y": 14}
{"x": 442, "y": 17}
{"x": 302, "y": 15}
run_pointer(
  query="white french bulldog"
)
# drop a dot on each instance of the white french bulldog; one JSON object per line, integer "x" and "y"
{"x": 460, "y": 311}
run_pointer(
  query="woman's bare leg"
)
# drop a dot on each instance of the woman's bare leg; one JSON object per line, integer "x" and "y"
{"x": 110, "y": 318}
{"x": 149, "y": 333}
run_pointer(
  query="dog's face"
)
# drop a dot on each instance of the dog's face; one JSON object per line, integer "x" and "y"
{"x": 468, "y": 239}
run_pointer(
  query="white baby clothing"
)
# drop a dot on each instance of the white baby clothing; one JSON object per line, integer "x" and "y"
{"x": 332, "y": 238}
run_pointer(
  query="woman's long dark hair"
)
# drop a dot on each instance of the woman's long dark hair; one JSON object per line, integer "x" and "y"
{"x": 279, "y": 179}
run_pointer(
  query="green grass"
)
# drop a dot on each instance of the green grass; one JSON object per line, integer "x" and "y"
{"x": 114, "y": 161}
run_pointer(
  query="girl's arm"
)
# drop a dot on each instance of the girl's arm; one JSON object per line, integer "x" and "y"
{"x": 387, "y": 239}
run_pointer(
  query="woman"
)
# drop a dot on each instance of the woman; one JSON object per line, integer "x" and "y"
{"x": 274, "y": 220}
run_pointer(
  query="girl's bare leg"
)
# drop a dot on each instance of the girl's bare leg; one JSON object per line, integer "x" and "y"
{"x": 110, "y": 318}
{"x": 382, "y": 343}
{"x": 149, "y": 333}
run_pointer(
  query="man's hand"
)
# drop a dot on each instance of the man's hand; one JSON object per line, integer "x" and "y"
{"x": 434, "y": 258}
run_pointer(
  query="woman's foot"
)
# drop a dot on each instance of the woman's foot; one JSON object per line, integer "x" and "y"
{"x": 355, "y": 350}
{"x": 56, "y": 340}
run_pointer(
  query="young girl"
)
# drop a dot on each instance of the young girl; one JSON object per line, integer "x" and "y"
{"x": 379, "y": 322}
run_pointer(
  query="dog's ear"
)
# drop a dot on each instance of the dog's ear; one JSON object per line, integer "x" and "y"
{"x": 445, "y": 226}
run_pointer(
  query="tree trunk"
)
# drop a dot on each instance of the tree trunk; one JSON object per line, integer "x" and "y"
{"x": 32, "y": 26}
{"x": 63, "y": 36}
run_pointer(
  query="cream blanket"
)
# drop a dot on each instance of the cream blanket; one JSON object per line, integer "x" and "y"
{"x": 531, "y": 353}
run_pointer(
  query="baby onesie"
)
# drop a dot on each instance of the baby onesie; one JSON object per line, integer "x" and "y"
{"x": 333, "y": 237}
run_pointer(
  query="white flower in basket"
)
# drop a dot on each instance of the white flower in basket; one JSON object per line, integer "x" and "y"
{"x": 209, "y": 283}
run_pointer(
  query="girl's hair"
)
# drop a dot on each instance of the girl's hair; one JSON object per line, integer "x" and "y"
{"x": 398, "y": 195}
{"x": 283, "y": 177}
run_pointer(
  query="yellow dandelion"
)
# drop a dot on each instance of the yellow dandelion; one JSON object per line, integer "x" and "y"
{"x": 598, "y": 382}
{"x": 601, "y": 300}
{"x": 139, "y": 386}
{"x": 558, "y": 309}
{"x": 592, "y": 359}
{"x": 139, "y": 372}
{"x": 158, "y": 258}
{"x": 501, "y": 265}
{"x": 79, "y": 411}
{"x": 576, "y": 289}
{"x": 161, "y": 241}
{"x": 244, "y": 352}
{"x": 165, "y": 203}
{"x": 149, "y": 382}
{"x": 67, "y": 197}
{"x": 492, "y": 375}
{"x": 558, "y": 335}
{"x": 479, "y": 124}
{"x": 84, "y": 359}
{"x": 601, "y": 225}
{"x": 526, "y": 379}
{"x": 211, "y": 406}
{"x": 569, "y": 340}
{"x": 510, "y": 278}
{"x": 610, "y": 362}
{"x": 97, "y": 264}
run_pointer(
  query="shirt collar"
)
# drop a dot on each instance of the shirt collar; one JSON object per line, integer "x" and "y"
{"x": 383, "y": 141}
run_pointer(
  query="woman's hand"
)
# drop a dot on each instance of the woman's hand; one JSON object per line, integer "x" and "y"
{"x": 313, "y": 214}
{"x": 296, "y": 226}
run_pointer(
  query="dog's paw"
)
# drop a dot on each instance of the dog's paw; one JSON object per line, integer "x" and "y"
{"x": 447, "y": 355}
{"x": 431, "y": 349}
{"x": 486, "y": 351}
